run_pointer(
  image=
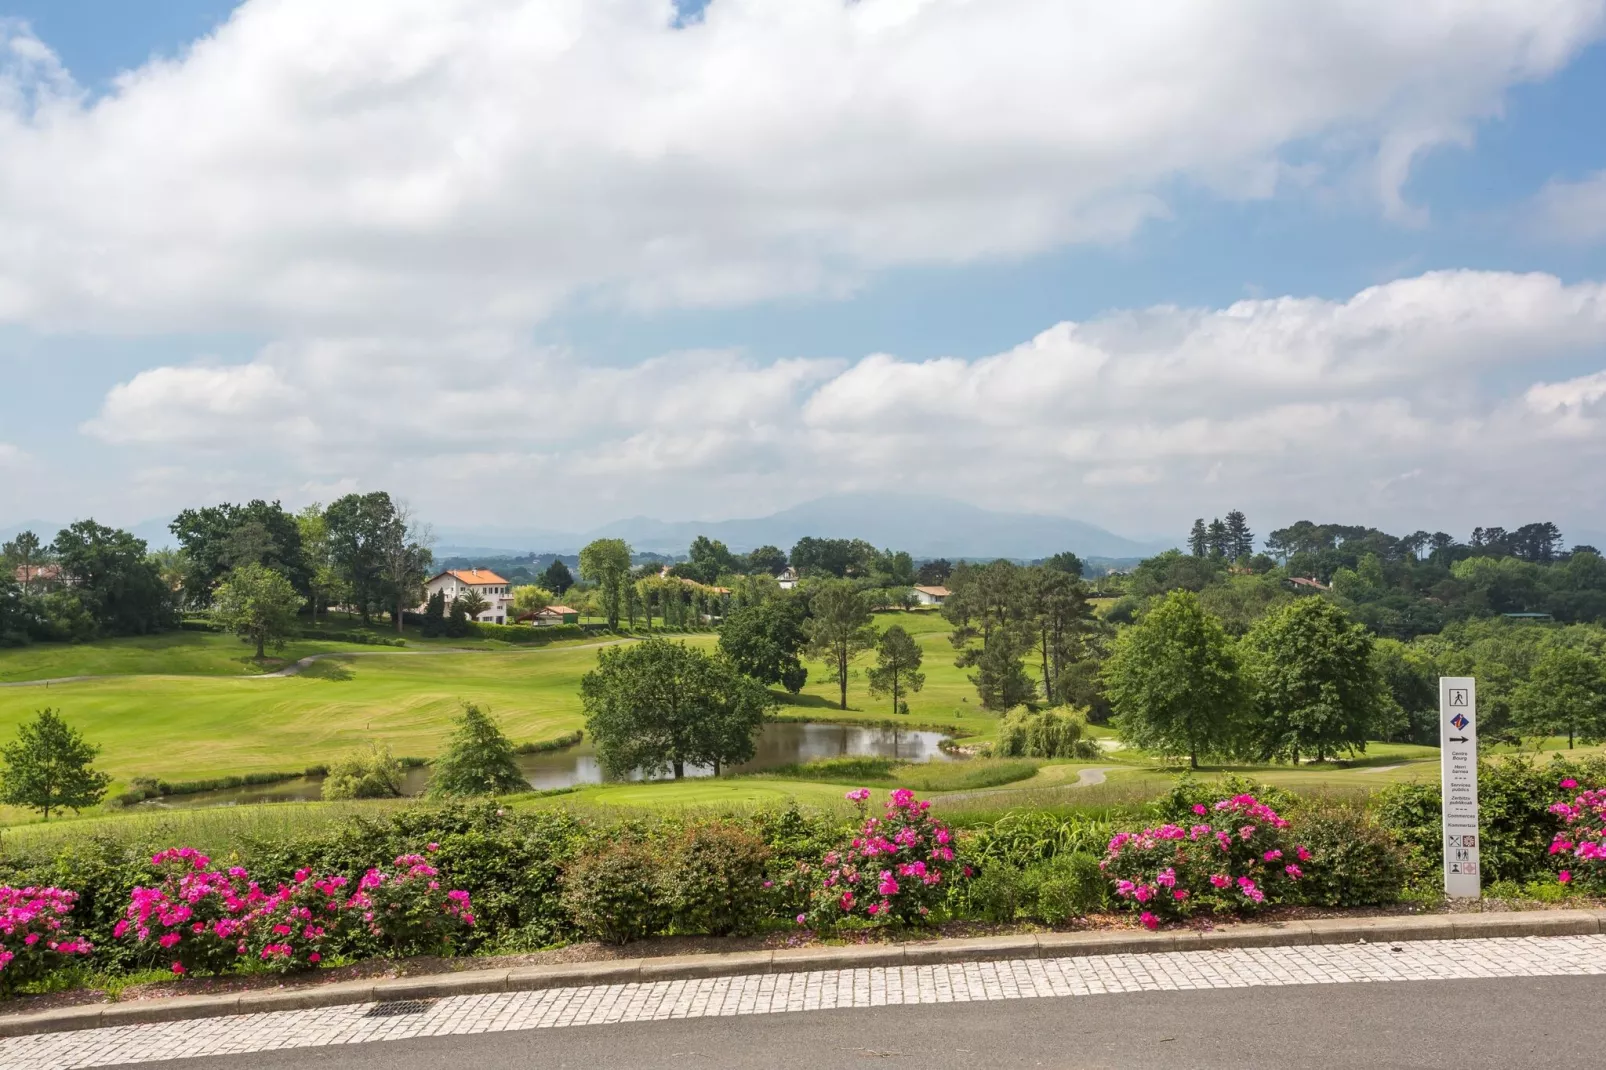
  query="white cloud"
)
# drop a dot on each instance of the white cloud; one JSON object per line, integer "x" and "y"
{"x": 13, "y": 458}
{"x": 457, "y": 164}
{"x": 1395, "y": 402}
{"x": 1573, "y": 211}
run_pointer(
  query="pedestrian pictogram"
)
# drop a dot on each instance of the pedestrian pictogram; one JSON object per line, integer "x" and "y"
{"x": 1458, "y": 696}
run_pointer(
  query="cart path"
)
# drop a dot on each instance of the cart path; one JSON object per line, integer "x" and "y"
{"x": 298, "y": 667}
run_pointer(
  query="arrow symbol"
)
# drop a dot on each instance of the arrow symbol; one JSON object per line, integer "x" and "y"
{"x": 1458, "y": 739}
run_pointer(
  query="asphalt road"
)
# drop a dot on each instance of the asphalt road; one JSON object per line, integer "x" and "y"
{"x": 1545, "y": 1022}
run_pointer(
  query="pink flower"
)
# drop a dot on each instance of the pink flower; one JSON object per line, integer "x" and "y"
{"x": 1149, "y": 921}
{"x": 1200, "y": 808}
{"x": 314, "y": 957}
{"x": 178, "y": 968}
{"x": 800, "y": 919}
{"x": 1180, "y": 894}
{"x": 1271, "y": 856}
{"x": 858, "y": 794}
{"x": 1220, "y": 880}
{"x": 1569, "y": 783}
{"x": 1303, "y": 852}
{"x": 1565, "y": 876}
{"x": 1293, "y": 871}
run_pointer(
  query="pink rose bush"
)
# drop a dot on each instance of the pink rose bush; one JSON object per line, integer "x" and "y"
{"x": 407, "y": 909}
{"x": 1583, "y": 835}
{"x": 1237, "y": 856}
{"x": 896, "y": 869}
{"x": 36, "y": 933}
{"x": 201, "y": 918}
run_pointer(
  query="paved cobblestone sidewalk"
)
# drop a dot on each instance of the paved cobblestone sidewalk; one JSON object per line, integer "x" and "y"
{"x": 780, "y": 993}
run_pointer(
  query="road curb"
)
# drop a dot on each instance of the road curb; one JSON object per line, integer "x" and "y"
{"x": 1393, "y": 929}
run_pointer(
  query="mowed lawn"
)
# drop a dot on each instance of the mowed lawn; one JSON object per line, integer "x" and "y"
{"x": 947, "y": 699}
{"x": 182, "y": 728}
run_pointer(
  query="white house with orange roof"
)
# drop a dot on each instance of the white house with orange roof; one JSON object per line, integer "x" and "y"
{"x": 496, "y": 591}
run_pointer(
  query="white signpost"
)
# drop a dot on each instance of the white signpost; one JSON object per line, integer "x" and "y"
{"x": 1458, "y": 772}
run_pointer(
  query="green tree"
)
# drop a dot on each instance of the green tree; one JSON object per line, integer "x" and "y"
{"x": 24, "y": 553}
{"x": 47, "y": 767}
{"x": 606, "y": 562}
{"x": 660, "y": 706}
{"x": 557, "y": 578}
{"x": 1066, "y": 562}
{"x": 1001, "y": 679}
{"x": 109, "y": 574}
{"x": 764, "y": 640}
{"x": 1316, "y": 688}
{"x": 219, "y": 538}
{"x": 434, "y": 623}
{"x": 1565, "y": 692}
{"x": 530, "y": 599}
{"x": 897, "y": 671}
{"x": 770, "y": 560}
{"x": 257, "y": 604}
{"x": 323, "y": 579}
{"x": 1173, "y": 681}
{"x": 1240, "y": 540}
{"x": 479, "y": 759}
{"x": 471, "y": 603}
{"x": 1060, "y": 619}
{"x": 709, "y": 560}
{"x": 404, "y": 560}
{"x": 359, "y": 526}
{"x": 839, "y": 629}
{"x": 1198, "y": 539}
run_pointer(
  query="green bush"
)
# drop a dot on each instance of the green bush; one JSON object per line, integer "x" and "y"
{"x": 1022, "y": 838}
{"x": 1067, "y": 886}
{"x": 714, "y": 879}
{"x": 1354, "y": 862}
{"x": 1044, "y": 734}
{"x": 524, "y": 634}
{"x": 616, "y": 895}
{"x": 365, "y": 774}
{"x": 1177, "y": 805}
{"x": 996, "y": 893}
{"x": 1515, "y": 824}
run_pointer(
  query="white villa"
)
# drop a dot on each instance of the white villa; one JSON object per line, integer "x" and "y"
{"x": 931, "y": 596}
{"x": 787, "y": 579}
{"x": 488, "y": 585}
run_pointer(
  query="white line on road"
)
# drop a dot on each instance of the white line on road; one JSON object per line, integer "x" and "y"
{"x": 818, "y": 990}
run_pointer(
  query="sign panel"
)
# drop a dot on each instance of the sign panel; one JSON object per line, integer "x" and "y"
{"x": 1458, "y": 779}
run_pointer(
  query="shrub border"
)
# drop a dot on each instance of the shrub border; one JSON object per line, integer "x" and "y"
{"x": 1390, "y": 929}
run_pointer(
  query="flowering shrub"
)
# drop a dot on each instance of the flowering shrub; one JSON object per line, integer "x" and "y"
{"x": 292, "y": 928}
{"x": 407, "y": 910}
{"x": 893, "y": 870}
{"x": 1236, "y": 856}
{"x": 35, "y": 935}
{"x": 1582, "y": 836}
{"x": 197, "y": 917}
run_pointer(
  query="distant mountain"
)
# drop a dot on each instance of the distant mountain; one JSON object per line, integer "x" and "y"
{"x": 925, "y": 526}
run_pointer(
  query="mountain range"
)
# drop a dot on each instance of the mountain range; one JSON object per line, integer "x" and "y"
{"x": 924, "y": 526}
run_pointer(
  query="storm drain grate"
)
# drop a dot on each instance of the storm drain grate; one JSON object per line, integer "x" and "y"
{"x": 399, "y": 1007}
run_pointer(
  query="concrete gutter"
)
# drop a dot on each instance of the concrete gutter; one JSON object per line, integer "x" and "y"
{"x": 1394, "y": 929}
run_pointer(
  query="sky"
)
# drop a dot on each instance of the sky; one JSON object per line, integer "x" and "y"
{"x": 550, "y": 263}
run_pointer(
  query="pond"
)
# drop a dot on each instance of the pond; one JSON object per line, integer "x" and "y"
{"x": 779, "y": 743}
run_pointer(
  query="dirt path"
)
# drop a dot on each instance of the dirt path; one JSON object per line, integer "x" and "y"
{"x": 298, "y": 667}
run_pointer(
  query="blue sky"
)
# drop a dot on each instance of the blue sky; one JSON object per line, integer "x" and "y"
{"x": 700, "y": 339}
